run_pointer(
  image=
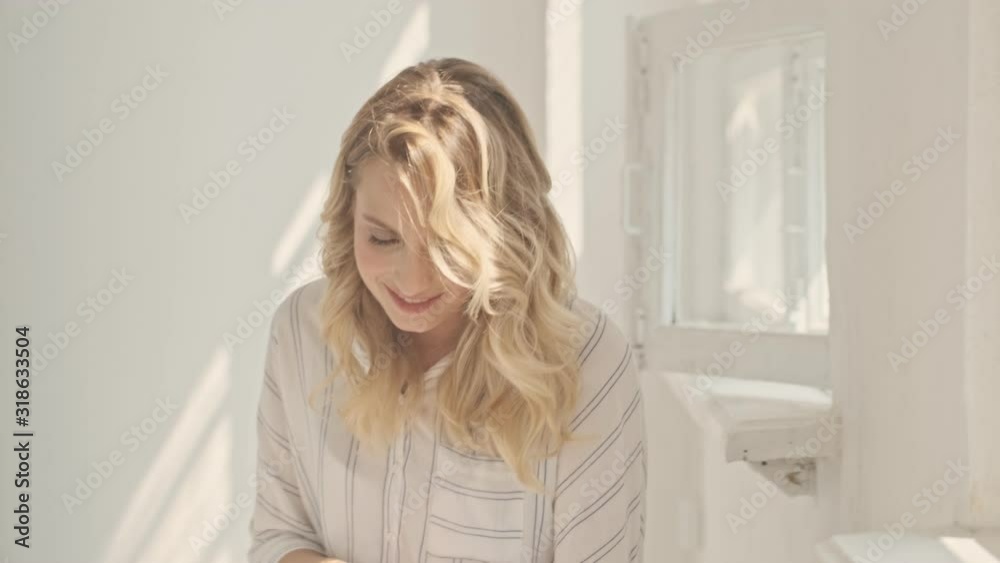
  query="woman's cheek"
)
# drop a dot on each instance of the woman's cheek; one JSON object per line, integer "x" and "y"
{"x": 371, "y": 263}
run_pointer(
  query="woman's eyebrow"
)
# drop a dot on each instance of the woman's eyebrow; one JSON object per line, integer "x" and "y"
{"x": 379, "y": 223}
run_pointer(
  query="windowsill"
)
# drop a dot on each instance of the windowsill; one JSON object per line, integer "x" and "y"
{"x": 910, "y": 548}
{"x": 764, "y": 421}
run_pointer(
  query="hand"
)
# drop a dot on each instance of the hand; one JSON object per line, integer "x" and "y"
{"x": 308, "y": 556}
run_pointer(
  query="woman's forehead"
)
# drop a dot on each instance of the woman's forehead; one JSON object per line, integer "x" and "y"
{"x": 382, "y": 197}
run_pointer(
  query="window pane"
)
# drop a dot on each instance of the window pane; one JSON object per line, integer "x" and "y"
{"x": 745, "y": 189}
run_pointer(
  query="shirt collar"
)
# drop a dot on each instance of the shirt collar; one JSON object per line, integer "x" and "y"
{"x": 432, "y": 373}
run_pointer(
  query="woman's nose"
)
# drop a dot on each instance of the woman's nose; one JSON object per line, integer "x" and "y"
{"x": 414, "y": 272}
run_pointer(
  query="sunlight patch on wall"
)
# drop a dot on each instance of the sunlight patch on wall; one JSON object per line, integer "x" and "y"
{"x": 302, "y": 224}
{"x": 413, "y": 43}
{"x": 141, "y": 524}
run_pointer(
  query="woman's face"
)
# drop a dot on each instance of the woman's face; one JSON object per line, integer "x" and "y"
{"x": 392, "y": 259}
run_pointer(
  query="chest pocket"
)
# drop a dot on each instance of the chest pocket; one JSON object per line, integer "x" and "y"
{"x": 476, "y": 510}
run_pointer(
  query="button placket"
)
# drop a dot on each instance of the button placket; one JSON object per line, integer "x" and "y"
{"x": 395, "y": 493}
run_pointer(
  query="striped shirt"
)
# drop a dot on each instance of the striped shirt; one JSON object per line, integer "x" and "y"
{"x": 424, "y": 501}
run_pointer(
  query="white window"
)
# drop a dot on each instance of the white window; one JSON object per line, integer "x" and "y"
{"x": 726, "y": 179}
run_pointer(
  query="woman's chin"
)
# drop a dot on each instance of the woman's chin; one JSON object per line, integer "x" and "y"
{"x": 410, "y": 323}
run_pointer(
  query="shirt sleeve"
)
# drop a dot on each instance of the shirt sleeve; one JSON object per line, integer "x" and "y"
{"x": 280, "y": 522}
{"x": 600, "y": 504}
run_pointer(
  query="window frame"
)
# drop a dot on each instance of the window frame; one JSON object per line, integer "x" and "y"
{"x": 747, "y": 353}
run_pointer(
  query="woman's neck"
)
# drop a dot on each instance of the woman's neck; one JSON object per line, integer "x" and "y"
{"x": 431, "y": 346}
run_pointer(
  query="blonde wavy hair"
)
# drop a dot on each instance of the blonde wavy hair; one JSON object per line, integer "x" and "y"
{"x": 464, "y": 152}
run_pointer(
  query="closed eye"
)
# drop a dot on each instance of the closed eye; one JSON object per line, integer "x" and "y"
{"x": 381, "y": 242}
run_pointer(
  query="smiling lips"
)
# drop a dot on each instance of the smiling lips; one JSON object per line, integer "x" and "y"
{"x": 411, "y": 306}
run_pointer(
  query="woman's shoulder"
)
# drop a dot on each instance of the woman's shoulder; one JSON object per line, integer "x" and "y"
{"x": 610, "y": 395}
{"x": 296, "y": 338}
{"x": 300, "y": 310}
{"x": 601, "y": 342}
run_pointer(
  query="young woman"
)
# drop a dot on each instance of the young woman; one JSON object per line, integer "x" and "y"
{"x": 441, "y": 394}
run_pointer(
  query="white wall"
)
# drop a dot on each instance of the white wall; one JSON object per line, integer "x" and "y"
{"x": 161, "y": 338}
{"x": 915, "y": 336}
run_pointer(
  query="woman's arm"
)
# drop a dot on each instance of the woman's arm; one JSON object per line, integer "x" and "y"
{"x": 600, "y": 503}
{"x": 280, "y": 523}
